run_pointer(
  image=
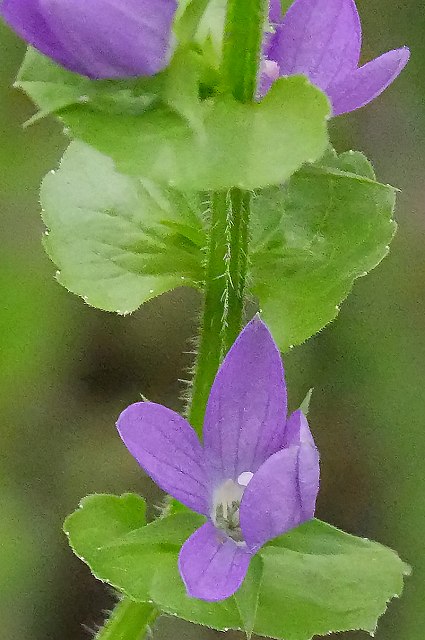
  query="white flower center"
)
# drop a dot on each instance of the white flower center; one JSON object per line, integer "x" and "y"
{"x": 245, "y": 478}
{"x": 226, "y": 502}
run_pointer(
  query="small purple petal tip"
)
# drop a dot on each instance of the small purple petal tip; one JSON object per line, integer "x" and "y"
{"x": 368, "y": 82}
{"x": 298, "y": 434}
{"x": 322, "y": 39}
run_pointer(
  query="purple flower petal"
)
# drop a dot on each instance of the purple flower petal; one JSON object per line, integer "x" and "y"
{"x": 211, "y": 565}
{"x": 246, "y": 411}
{"x": 272, "y": 502}
{"x": 168, "y": 449}
{"x": 318, "y": 38}
{"x": 366, "y": 83}
{"x": 26, "y": 18}
{"x": 97, "y": 38}
{"x": 297, "y": 433}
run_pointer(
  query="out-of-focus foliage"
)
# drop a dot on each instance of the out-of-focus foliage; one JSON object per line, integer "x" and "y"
{"x": 66, "y": 371}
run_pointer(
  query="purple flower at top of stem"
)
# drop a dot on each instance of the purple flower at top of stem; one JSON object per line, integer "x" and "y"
{"x": 255, "y": 477}
{"x": 322, "y": 40}
{"x": 97, "y": 38}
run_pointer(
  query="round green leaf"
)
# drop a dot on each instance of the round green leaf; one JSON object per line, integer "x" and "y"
{"x": 118, "y": 241}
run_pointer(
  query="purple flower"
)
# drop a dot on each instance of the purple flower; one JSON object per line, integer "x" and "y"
{"x": 97, "y": 38}
{"x": 255, "y": 477}
{"x": 322, "y": 39}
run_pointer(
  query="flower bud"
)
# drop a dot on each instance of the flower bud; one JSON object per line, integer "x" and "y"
{"x": 97, "y": 38}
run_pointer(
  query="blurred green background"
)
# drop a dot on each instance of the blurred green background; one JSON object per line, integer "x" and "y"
{"x": 66, "y": 370}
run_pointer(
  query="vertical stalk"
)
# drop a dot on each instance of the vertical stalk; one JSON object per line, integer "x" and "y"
{"x": 226, "y": 267}
{"x": 243, "y": 39}
{"x": 227, "y": 255}
{"x": 211, "y": 343}
{"x": 239, "y": 237}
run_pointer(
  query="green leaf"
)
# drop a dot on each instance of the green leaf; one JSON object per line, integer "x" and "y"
{"x": 123, "y": 514}
{"x": 321, "y": 580}
{"x": 313, "y": 580}
{"x": 305, "y": 404}
{"x": 312, "y": 237}
{"x": 188, "y": 18}
{"x": 232, "y": 144}
{"x": 141, "y": 561}
{"x": 52, "y": 88}
{"x": 350, "y": 162}
{"x": 118, "y": 241}
{"x": 160, "y": 128}
{"x": 247, "y": 597}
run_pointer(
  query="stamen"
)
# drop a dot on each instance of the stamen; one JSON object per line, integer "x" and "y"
{"x": 226, "y": 503}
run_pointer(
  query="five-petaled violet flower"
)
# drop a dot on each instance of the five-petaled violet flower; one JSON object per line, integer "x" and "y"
{"x": 255, "y": 477}
{"x": 97, "y": 38}
{"x": 322, "y": 40}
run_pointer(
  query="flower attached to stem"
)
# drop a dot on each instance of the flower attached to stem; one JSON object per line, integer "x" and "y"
{"x": 97, "y": 38}
{"x": 255, "y": 477}
{"x": 322, "y": 40}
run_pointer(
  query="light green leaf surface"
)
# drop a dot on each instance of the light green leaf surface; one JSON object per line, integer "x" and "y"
{"x": 247, "y": 597}
{"x": 142, "y": 561}
{"x": 50, "y": 86}
{"x": 318, "y": 579}
{"x": 233, "y": 144}
{"x": 314, "y": 580}
{"x": 312, "y": 237}
{"x": 188, "y": 17}
{"x": 118, "y": 241}
{"x": 161, "y": 129}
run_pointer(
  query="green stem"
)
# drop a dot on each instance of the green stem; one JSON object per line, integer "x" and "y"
{"x": 224, "y": 293}
{"x": 243, "y": 38}
{"x": 241, "y": 203}
{"x": 227, "y": 255}
{"x": 211, "y": 343}
{"x": 129, "y": 621}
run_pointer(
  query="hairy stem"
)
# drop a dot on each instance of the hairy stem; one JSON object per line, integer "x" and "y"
{"x": 129, "y": 621}
{"x": 227, "y": 255}
{"x": 214, "y": 314}
{"x": 239, "y": 236}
